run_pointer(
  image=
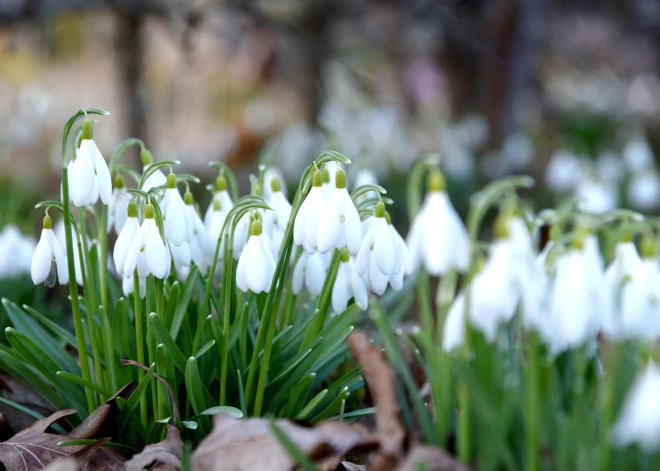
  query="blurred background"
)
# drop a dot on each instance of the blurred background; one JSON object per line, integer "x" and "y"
{"x": 566, "y": 91}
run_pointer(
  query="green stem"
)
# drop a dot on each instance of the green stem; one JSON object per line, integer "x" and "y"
{"x": 90, "y": 295}
{"x": 227, "y": 269}
{"x": 532, "y": 404}
{"x": 139, "y": 342}
{"x": 73, "y": 288}
{"x": 151, "y": 341}
{"x": 607, "y": 407}
{"x": 107, "y": 328}
{"x": 160, "y": 312}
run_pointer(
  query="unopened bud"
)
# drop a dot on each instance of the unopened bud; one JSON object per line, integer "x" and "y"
{"x": 221, "y": 183}
{"x": 48, "y": 222}
{"x": 255, "y": 228}
{"x": 133, "y": 209}
{"x": 119, "y": 181}
{"x": 146, "y": 157}
{"x": 340, "y": 179}
{"x": 149, "y": 211}
{"x": 171, "y": 181}
{"x": 87, "y": 129}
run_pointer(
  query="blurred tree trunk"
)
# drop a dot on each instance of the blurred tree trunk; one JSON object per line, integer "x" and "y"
{"x": 130, "y": 57}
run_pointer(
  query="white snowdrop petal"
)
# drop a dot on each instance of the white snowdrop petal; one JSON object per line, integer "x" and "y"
{"x": 123, "y": 243}
{"x": 299, "y": 274}
{"x": 352, "y": 225}
{"x": 359, "y": 290}
{"x": 377, "y": 280}
{"x": 102, "y": 176}
{"x": 453, "y": 334}
{"x": 340, "y": 293}
{"x": 384, "y": 250}
{"x": 155, "y": 254}
{"x": 41, "y": 260}
{"x": 82, "y": 181}
{"x": 315, "y": 274}
{"x": 329, "y": 227}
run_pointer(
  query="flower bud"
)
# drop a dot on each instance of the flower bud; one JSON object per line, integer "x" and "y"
{"x": 221, "y": 183}
{"x": 316, "y": 179}
{"x": 255, "y": 228}
{"x": 87, "y": 130}
{"x": 149, "y": 211}
{"x": 119, "y": 181}
{"x": 436, "y": 181}
{"x": 171, "y": 180}
{"x": 340, "y": 179}
{"x": 133, "y": 210}
{"x": 48, "y": 222}
{"x": 146, "y": 157}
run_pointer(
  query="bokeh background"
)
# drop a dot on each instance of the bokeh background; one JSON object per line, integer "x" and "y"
{"x": 566, "y": 91}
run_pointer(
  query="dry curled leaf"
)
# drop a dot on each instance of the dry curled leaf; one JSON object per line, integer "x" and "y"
{"x": 33, "y": 448}
{"x": 250, "y": 444}
{"x": 168, "y": 452}
{"x": 431, "y": 459}
{"x": 381, "y": 382}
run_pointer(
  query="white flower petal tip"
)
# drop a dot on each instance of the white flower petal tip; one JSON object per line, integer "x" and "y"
{"x": 348, "y": 284}
{"x": 49, "y": 260}
{"x": 340, "y": 225}
{"x": 147, "y": 253}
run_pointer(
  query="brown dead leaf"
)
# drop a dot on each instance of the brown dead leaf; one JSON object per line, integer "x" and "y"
{"x": 63, "y": 464}
{"x": 381, "y": 383}
{"x": 21, "y": 394}
{"x": 250, "y": 444}
{"x": 96, "y": 457}
{"x": 168, "y": 452}
{"x": 346, "y": 466}
{"x": 33, "y": 448}
{"x": 432, "y": 459}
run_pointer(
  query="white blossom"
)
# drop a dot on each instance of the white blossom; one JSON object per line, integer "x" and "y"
{"x": 117, "y": 209}
{"x": 48, "y": 256}
{"x": 278, "y": 218}
{"x": 340, "y": 224}
{"x": 348, "y": 284}
{"x": 147, "y": 251}
{"x": 176, "y": 225}
{"x": 125, "y": 239}
{"x": 308, "y": 218}
{"x": 89, "y": 176}
{"x": 201, "y": 249}
{"x": 16, "y": 252}
{"x": 310, "y": 270}
{"x": 256, "y": 265}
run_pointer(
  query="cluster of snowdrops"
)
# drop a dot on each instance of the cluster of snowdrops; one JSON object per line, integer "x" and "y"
{"x": 564, "y": 293}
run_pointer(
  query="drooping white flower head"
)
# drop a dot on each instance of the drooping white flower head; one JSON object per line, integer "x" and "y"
{"x": 128, "y": 286}
{"x": 147, "y": 251}
{"x": 644, "y": 190}
{"x": 201, "y": 249}
{"x": 221, "y": 203}
{"x": 175, "y": 222}
{"x": 579, "y": 295}
{"x": 438, "y": 239}
{"x": 49, "y": 258}
{"x": 273, "y": 173}
{"x": 241, "y": 235}
{"x": 596, "y": 197}
{"x": 89, "y": 176}
{"x": 125, "y": 239}
{"x": 310, "y": 270}
{"x": 182, "y": 258}
{"x": 214, "y": 223}
{"x": 348, "y": 284}
{"x": 308, "y": 218}
{"x": 256, "y": 265}
{"x": 340, "y": 225}
{"x": 157, "y": 178}
{"x": 61, "y": 237}
{"x": 118, "y": 207}
{"x": 564, "y": 171}
{"x": 378, "y": 258}
{"x": 278, "y": 218}
{"x": 637, "y": 154}
{"x": 16, "y": 252}
{"x": 639, "y": 419}
{"x": 328, "y": 176}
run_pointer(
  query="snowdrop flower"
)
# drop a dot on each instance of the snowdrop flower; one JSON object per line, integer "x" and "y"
{"x": 147, "y": 253}
{"x": 366, "y": 177}
{"x": 118, "y": 207}
{"x": 328, "y": 176}
{"x": 564, "y": 171}
{"x": 221, "y": 202}
{"x": 278, "y": 218}
{"x": 310, "y": 271}
{"x": 177, "y": 229}
{"x": 89, "y": 176}
{"x": 637, "y": 154}
{"x": 128, "y": 286}
{"x": 61, "y": 237}
{"x": 340, "y": 224}
{"x": 256, "y": 265}
{"x": 438, "y": 238}
{"x": 644, "y": 190}
{"x": 596, "y": 197}
{"x": 273, "y": 173}
{"x": 156, "y": 179}
{"x": 15, "y": 252}
{"x": 214, "y": 222}
{"x": 639, "y": 419}
{"x": 379, "y": 257}
{"x": 200, "y": 244}
{"x": 348, "y": 284}
{"x": 308, "y": 218}
{"x": 625, "y": 264}
{"x": 241, "y": 235}
{"x": 182, "y": 258}
{"x": 48, "y": 257}
{"x": 579, "y": 296}
{"x": 125, "y": 239}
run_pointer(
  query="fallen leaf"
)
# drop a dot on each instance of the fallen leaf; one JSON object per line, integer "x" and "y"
{"x": 250, "y": 444}
{"x": 381, "y": 383}
{"x": 96, "y": 457}
{"x": 168, "y": 452}
{"x": 430, "y": 459}
{"x": 33, "y": 448}
{"x": 346, "y": 466}
{"x": 63, "y": 464}
{"x": 23, "y": 395}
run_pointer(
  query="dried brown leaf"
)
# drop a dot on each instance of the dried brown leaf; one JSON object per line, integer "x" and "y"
{"x": 33, "y": 448}
{"x": 96, "y": 457}
{"x": 250, "y": 444}
{"x": 346, "y": 466}
{"x": 431, "y": 459}
{"x": 381, "y": 383}
{"x": 63, "y": 464}
{"x": 168, "y": 452}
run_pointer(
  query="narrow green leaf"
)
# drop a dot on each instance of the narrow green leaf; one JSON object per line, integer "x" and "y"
{"x": 86, "y": 442}
{"x": 205, "y": 348}
{"x": 133, "y": 400}
{"x": 183, "y": 301}
{"x": 194, "y": 387}
{"x": 83, "y": 382}
{"x": 164, "y": 337}
{"x": 333, "y": 407}
{"x": 299, "y": 394}
{"x": 316, "y": 400}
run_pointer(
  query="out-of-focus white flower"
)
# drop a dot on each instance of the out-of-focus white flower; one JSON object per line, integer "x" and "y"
{"x": 308, "y": 218}
{"x": 273, "y": 173}
{"x": 61, "y": 237}
{"x": 328, "y": 175}
{"x": 182, "y": 258}
{"x": 48, "y": 257}
{"x": 256, "y": 265}
{"x": 438, "y": 239}
{"x": 596, "y": 197}
{"x": 241, "y": 235}
{"x": 213, "y": 223}
{"x": 125, "y": 239}
{"x": 610, "y": 168}
{"x": 155, "y": 179}
{"x": 16, "y": 252}
{"x": 128, "y": 286}
{"x": 406, "y": 266}
{"x": 175, "y": 221}
{"x": 644, "y": 190}
{"x": 89, "y": 176}
{"x": 348, "y": 284}
{"x": 564, "y": 171}
{"x": 221, "y": 202}
{"x": 366, "y": 177}
{"x": 310, "y": 271}
{"x": 278, "y": 218}
{"x": 639, "y": 419}
{"x": 640, "y": 304}
{"x": 579, "y": 296}
{"x": 340, "y": 224}
{"x": 147, "y": 252}
{"x": 201, "y": 249}
{"x": 118, "y": 207}
{"x": 637, "y": 154}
